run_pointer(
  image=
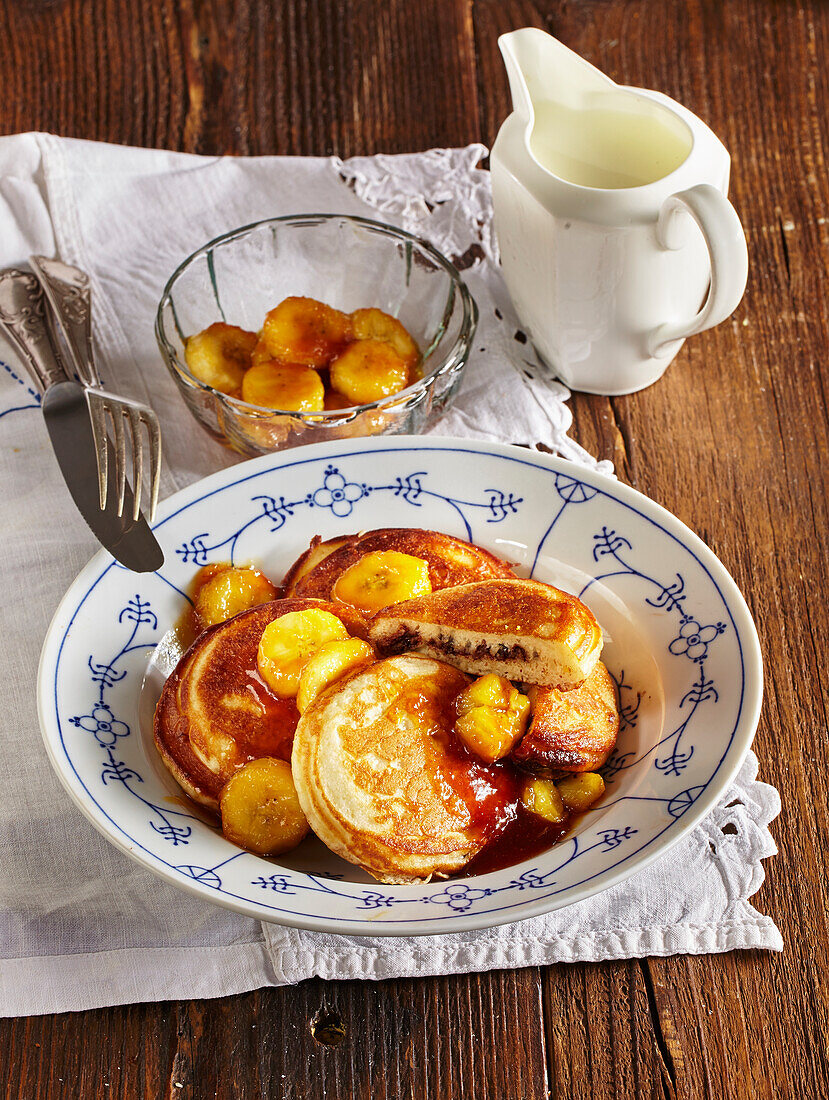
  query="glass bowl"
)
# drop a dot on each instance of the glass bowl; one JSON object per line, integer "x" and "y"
{"x": 347, "y": 262}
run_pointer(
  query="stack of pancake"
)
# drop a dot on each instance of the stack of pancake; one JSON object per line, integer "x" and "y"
{"x": 381, "y": 765}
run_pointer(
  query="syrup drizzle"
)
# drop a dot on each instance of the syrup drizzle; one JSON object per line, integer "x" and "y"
{"x": 492, "y": 793}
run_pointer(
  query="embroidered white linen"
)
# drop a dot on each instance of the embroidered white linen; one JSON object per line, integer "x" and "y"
{"x": 82, "y": 926}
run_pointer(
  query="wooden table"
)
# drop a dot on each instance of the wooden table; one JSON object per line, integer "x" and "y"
{"x": 734, "y": 440}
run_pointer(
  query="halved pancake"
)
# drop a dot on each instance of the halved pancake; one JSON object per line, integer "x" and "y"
{"x": 216, "y": 713}
{"x": 572, "y": 731}
{"x": 521, "y": 629}
{"x": 382, "y": 779}
{"x": 451, "y": 561}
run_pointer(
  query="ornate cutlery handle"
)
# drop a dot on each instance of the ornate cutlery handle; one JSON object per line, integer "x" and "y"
{"x": 25, "y": 320}
{"x": 67, "y": 291}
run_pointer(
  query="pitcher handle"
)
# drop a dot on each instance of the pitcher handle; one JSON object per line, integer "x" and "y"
{"x": 727, "y": 251}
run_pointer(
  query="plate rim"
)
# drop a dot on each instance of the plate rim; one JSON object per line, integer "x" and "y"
{"x": 743, "y": 734}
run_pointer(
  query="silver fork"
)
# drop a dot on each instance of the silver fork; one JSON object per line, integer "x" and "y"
{"x": 67, "y": 291}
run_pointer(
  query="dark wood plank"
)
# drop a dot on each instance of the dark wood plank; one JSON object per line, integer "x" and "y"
{"x": 413, "y": 1038}
{"x": 242, "y": 76}
{"x": 600, "y": 1034}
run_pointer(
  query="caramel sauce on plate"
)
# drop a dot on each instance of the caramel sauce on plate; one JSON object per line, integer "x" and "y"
{"x": 524, "y": 836}
{"x": 275, "y": 726}
{"x": 492, "y": 793}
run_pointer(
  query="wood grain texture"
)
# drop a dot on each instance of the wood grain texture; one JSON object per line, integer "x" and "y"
{"x": 734, "y": 440}
{"x": 240, "y": 76}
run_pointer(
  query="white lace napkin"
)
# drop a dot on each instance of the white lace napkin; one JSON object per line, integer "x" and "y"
{"x": 80, "y": 924}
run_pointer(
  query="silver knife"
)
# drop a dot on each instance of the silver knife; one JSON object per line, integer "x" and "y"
{"x": 24, "y": 319}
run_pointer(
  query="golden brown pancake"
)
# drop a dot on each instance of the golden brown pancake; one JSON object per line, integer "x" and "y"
{"x": 382, "y": 779}
{"x": 316, "y": 552}
{"x": 521, "y": 629}
{"x": 216, "y": 713}
{"x": 572, "y": 731}
{"x": 451, "y": 561}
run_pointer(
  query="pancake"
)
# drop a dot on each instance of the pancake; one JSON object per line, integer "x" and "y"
{"x": 521, "y": 629}
{"x": 216, "y": 713}
{"x": 572, "y": 731}
{"x": 451, "y": 561}
{"x": 382, "y": 779}
{"x": 316, "y": 552}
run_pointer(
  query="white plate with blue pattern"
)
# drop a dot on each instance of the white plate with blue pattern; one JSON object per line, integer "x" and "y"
{"x": 679, "y": 641}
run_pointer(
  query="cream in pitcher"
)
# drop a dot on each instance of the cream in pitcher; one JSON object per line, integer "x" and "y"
{"x": 616, "y": 237}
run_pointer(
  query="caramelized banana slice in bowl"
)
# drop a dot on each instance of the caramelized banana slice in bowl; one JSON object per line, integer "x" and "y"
{"x": 368, "y": 370}
{"x": 305, "y": 331}
{"x": 286, "y": 386}
{"x": 220, "y": 355}
{"x": 374, "y": 324}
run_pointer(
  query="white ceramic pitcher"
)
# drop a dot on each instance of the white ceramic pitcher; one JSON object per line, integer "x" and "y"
{"x": 617, "y": 240}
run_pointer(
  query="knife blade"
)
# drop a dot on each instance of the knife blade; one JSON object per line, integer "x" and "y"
{"x": 131, "y": 542}
{"x": 25, "y": 321}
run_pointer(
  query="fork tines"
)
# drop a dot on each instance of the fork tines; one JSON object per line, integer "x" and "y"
{"x": 106, "y": 407}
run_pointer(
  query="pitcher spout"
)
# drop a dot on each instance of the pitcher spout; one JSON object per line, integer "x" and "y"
{"x": 542, "y": 70}
{"x": 579, "y": 128}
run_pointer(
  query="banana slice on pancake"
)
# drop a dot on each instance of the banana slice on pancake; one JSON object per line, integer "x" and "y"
{"x": 382, "y": 779}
